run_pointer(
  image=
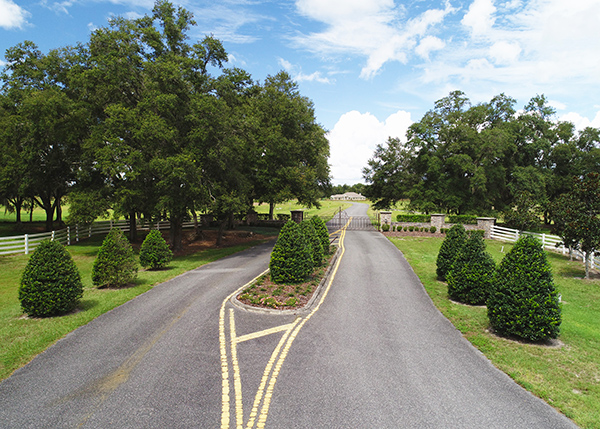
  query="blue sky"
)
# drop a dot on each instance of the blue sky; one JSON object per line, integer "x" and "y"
{"x": 372, "y": 67}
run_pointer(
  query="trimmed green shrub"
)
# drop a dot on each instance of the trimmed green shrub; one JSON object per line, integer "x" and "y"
{"x": 455, "y": 239}
{"x": 413, "y": 218}
{"x": 291, "y": 261}
{"x": 50, "y": 283}
{"x": 385, "y": 227}
{"x": 313, "y": 241}
{"x": 471, "y": 274}
{"x": 432, "y": 229}
{"x": 322, "y": 232}
{"x": 463, "y": 219}
{"x": 411, "y": 228}
{"x": 155, "y": 252}
{"x": 524, "y": 302}
{"x": 115, "y": 264}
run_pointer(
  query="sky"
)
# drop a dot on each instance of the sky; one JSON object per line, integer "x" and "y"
{"x": 371, "y": 67}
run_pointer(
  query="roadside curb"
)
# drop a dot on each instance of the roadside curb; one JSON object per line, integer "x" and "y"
{"x": 297, "y": 311}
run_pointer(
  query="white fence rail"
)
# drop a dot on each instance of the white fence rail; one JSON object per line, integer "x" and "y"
{"x": 549, "y": 242}
{"x": 27, "y": 242}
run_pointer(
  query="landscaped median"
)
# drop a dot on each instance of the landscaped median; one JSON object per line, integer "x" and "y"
{"x": 566, "y": 376}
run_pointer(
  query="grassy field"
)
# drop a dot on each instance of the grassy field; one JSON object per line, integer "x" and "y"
{"x": 22, "y": 338}
{"x": 326, "y": 211}
{"x": 567, "y": 377}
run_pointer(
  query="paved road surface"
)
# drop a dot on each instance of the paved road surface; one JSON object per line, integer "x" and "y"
{"x": 371, "y": 352}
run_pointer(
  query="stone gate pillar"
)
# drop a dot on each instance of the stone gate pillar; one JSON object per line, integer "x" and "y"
{"x": 385, "y": 218}
{"x": 437, "y": 220}
{"x": 486, "y": 223}
{"x": 297, "y": 215}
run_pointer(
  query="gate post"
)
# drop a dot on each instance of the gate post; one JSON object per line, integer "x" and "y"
{"x": 385, "y": 218}
{"x": 486, "y": 224}
{"x": 297, "y": 215}
{"x": 437, "y": 220}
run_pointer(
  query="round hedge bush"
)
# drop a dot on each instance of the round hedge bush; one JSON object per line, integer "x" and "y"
{"x": 454, "y": 241}
{"x": 322, "y": 232}
{"x": 155, "y": 252}
{"x": 115, "y": 264}
{"x": 524, "y": 302}
{"x": 313, "y": 241}
{"x": 291, "y": 260}
{"x": 470, "y": 276}
{"x": 51, "y": 283}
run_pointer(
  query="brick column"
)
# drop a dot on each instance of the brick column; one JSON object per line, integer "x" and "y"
{"x": 297, "y": 215}
{"x": 486, "y": 223}
{"x": 437, "y": 220}
{"x": 385, "y": 217}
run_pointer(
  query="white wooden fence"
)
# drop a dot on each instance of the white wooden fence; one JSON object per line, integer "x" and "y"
{"x": 27, "y": 242}
{"x": 549, "y": 242}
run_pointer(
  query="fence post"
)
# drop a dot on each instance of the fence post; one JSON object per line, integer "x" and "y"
{"x": 90, "y": 234}
{"x": 26, "y": 244}
{"x": 77, "y": 232}
{"x": 543, "y": 240}
{"x": 52, "y": 239}
{"x": 68, "y": 235}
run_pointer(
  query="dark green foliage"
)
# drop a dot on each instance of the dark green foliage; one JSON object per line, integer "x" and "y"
{"x": 524, "y": 302}
{"x": 433, "y": 229}
{"x": 291, "y": 261}
{"x": 385, "y": 227}
{"x": 464, "y": 219}
{"x": 413, "y": 218}
{"x": 115, "y": 264}
{"x": 51, "y": 283}
{"x": 470, "y": 276}
{"x": 155, "y": 252}
{"x": 455, "y": 239}
{"x": 322, "y": 232}
{"x": 313, "y": 241}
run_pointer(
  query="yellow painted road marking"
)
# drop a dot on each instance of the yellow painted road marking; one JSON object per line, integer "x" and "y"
{"x": 280, "y": 353}
{"x": 264, "y": 333}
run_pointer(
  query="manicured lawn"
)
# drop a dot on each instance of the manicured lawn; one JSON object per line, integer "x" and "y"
{"x": 326, "y": 211}
{"x": 22, "y": 338}
{"x": 567, "y": 377}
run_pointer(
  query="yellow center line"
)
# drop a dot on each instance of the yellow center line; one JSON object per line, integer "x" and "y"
{"x": 237, "y": 382}
{"x": 266, "y": 332}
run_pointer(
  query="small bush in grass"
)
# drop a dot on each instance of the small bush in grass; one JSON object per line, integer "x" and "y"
{"x": 411, "y": 228}
{"x": 455, "y": 239}
{"x": 51, "y": 283}
{"x": 524, "y": 302}
{"x": 115, "y": 264}
{"x": 322, "y": 233}
{"x": 433, "y": 229}
{"x": 155, "y": 252}
{"x": 313, "y": 241}
{"x": 470, "y": 276}
{"x": 385, "y": 227}
{"x": 291, "y": 261}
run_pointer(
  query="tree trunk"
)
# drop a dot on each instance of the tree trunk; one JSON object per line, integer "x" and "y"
{"x": 588, "y": 256}
{"x": 58, "y": 206}
{"x": 17, "y": 204}
{"x": 271, "y": 210}
{"x": 197, "y": 232}
{"x": 48, "y": 207}
{"x": 176, "y": 233}
{"x": 132, "y": 226}
{"x": 222, "y": 224}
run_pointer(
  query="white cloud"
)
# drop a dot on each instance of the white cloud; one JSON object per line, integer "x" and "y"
{"x": 480, "y": 17}
{"x": 428, "y": 45}
{"x": 581, "y": 122}
{"x": 12, "y": 15}
{"x": 298, "y": 76}
{"x": 377, "y": 30}
{"x": 505, "y": 53}
{"x": 354, "y": 138}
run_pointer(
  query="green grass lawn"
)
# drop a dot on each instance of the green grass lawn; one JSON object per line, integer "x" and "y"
{"x": 567, "y": 377}
{"x": 22, "y": 338}
{"x": 326, "y": 211}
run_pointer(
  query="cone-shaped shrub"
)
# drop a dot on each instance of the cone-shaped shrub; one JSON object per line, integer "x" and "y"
{"x": 524, "y": 302}
{"x": 51, "y": 283}
{"x": 313, "y": 241}
{"x": 322, "y": 232}
{"x": 470, "y": 276}
{"x": 155, "y": 252}
{"x": 115, "y": 264}
{"x": 454, "y": 241}
{"x": 291, "y": 261}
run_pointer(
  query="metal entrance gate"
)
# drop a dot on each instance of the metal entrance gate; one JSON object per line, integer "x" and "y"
{"x": 356, "y": 222}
